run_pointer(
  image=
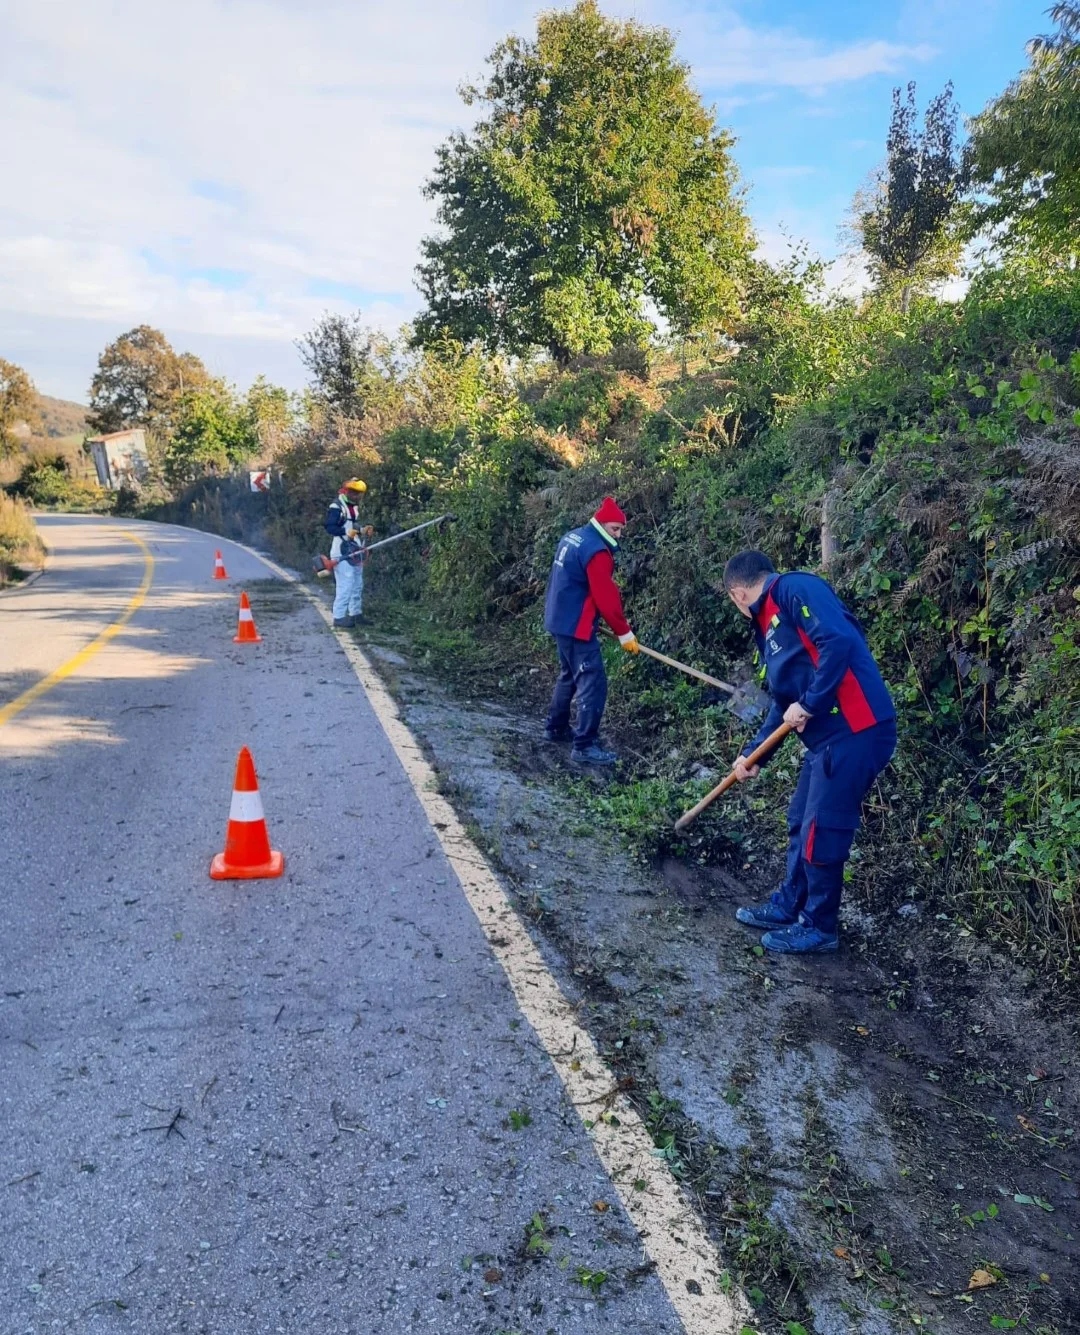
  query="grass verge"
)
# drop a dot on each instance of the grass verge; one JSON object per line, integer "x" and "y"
{"x": 20, "y": 545}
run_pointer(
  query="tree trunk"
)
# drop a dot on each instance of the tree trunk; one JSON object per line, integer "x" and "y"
{"x": 828, "y": 526}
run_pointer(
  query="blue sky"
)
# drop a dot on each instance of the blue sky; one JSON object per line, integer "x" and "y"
{"x": 228, "y": 177}
{"x": 803, "y": 152}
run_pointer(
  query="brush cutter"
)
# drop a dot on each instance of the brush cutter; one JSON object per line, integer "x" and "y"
{"x": 357, "y": 553}
{"x": 352, "y": 553}
{"x": 754, "y": 758}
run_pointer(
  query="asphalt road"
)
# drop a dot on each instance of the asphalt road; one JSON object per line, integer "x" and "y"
{"x": 274, "y": 1106}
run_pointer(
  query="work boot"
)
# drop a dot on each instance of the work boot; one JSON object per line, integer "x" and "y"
{"x": 592, "y": 755}
{"x": 343, "y": 623}
{"x": 558, "y": 735}
{"x": 763, "y": 916}
{"x": 799, "y": 939}
{"x": 359, "y": 619}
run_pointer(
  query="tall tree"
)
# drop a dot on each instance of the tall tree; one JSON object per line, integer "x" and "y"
{"x": 213, "y": 432}
{"x": 908, "y": 221}
{"x": 337, "y": 354}
{"x": 270, "y": 409}
{"x": 595, "y": 184}
{"x": 140, "y": 381}
{"x": 1024, "y": 149}
{"x": 18, "y": 403}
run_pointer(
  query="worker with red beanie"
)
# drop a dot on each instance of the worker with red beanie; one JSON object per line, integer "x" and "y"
{"x": 581, "y": 588}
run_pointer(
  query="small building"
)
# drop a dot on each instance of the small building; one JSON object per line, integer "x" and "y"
{"x": 120, "y": 458}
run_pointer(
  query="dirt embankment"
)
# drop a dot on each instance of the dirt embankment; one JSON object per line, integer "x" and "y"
{"x": 879, "y": 1140}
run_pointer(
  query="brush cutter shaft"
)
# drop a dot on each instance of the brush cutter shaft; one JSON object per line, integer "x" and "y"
{"x": 324, "y": 566}
{"x": 690, "y": 672}
{"x": 759, "y": 754}
{"x": 396, "y": 537}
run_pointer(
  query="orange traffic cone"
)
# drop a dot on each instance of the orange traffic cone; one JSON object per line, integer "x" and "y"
{"x": 245, "y": 631}
{"x": 219, "y": 567}
{"x": 248, "y": 855}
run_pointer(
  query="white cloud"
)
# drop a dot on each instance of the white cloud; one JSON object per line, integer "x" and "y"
{"x": 287, "y": 144}
{"x": 213, "y": 169}
{"x": 787, "y": 61}
{"x": 729, "y": 53}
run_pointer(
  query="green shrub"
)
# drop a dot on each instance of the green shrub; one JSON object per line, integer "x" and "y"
{"x": 20, "y": 545}
{"x": 45, "y": 480}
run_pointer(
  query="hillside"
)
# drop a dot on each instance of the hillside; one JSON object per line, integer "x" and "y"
{"x": 59, "y": 430}
{"x": 60, "y": 417}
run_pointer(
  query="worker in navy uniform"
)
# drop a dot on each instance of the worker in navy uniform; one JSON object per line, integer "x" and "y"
{"x": 581, "y": 588}
{"x": 347, "y": 550}
{"x": 824, "y": 682}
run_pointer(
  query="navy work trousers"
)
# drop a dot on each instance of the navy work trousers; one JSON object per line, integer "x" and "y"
{"x": 581, "y": 676}
{"x": 822, "y": 819}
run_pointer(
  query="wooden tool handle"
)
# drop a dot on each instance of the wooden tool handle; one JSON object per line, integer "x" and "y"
{"x": 758, "y": 754}
{"x": 683, "y": 667}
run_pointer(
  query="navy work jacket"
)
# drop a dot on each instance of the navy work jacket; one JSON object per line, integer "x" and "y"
{"x": 811, "y": 650}
{"x": 569, "y": 608}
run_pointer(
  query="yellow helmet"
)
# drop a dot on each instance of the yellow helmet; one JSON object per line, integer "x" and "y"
{"x": 354, "y": 484}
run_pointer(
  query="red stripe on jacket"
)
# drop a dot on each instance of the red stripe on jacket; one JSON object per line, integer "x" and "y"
{"x": 603, "y": 597}
{"x": 769, "y": 609}
{"x": 849, "y": 694}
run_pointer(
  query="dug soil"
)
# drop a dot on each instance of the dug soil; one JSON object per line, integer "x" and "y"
{"x": 879, "y": 1140}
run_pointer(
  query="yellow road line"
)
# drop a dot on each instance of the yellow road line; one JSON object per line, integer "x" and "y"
{"x": 35, "y": 692}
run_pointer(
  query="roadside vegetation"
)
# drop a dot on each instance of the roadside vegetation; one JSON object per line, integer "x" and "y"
{"x": 20, "y": 546}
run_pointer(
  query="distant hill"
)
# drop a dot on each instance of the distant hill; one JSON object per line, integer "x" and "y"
{"x": 60, "y": 417}
{"x": 60, "y": 429}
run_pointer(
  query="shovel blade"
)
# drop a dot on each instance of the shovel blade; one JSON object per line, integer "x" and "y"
{"x": 749, "y": 703}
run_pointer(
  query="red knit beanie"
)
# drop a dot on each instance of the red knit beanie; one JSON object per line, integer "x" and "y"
{"x": 609, "y": 512}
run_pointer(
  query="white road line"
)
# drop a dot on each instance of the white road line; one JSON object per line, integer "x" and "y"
{"x": 687, "y": 1262}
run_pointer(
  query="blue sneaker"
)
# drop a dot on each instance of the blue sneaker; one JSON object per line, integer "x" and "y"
{"x": 558, "y": 735}
{"x": 799, "y": 939}
{"x": 763, "y": 916}
{"x": 592, "y": 755}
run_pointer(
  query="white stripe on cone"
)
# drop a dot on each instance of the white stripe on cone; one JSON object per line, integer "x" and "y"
{"x": 245, "y": 614}
{"x": 246, "y": 807}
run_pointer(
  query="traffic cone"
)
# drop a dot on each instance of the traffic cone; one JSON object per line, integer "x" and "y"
{"x": 245, "y": 631}
{"x": 219, "y": 567}
{"x": 248, "y": 855}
